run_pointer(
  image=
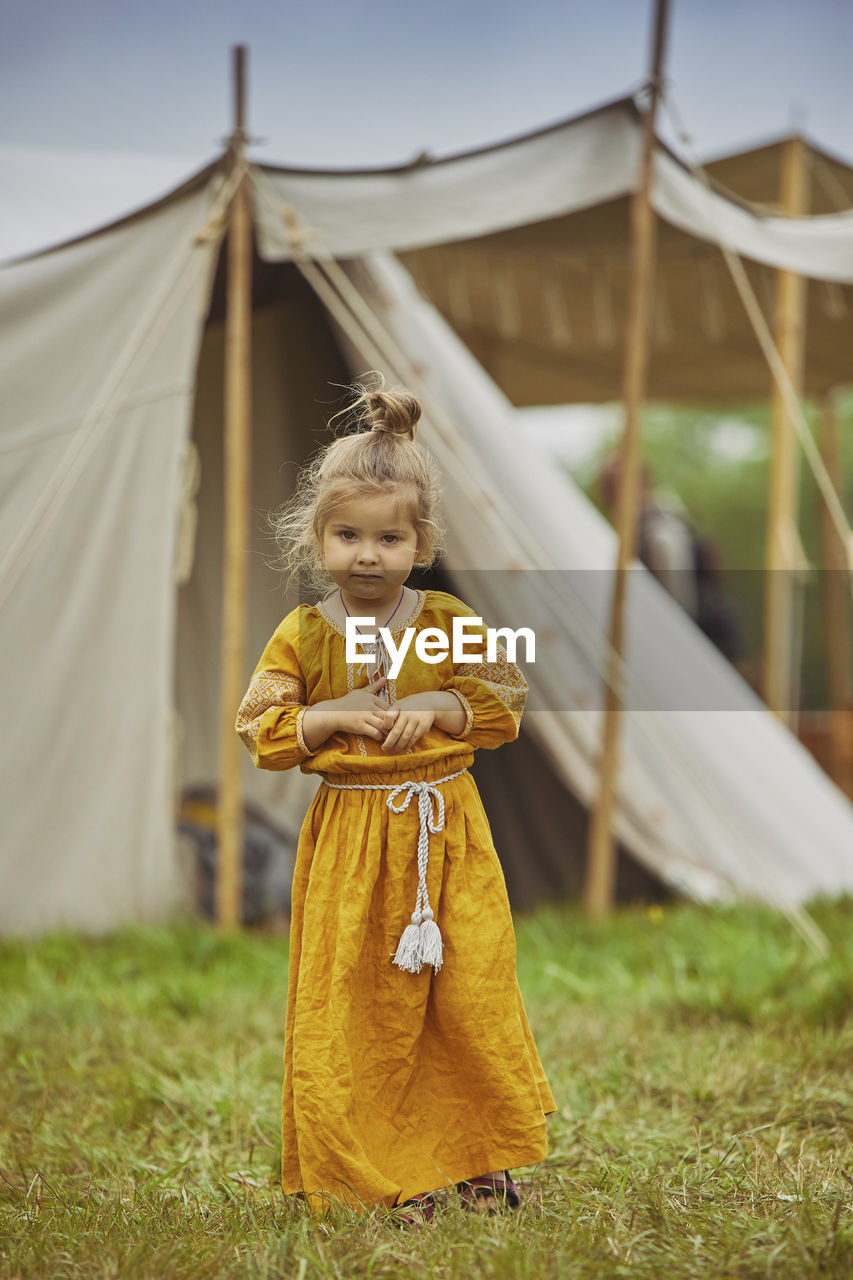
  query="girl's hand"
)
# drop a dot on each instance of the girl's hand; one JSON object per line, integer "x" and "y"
{"x": 409, "y": 719}
{"x": 363, "y": 712}
{"x": 357, "y": 712}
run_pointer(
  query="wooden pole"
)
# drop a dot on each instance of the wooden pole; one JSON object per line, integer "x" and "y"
{"x": 782, "y": 538}
{"x": 237, "y": 487}
{"x": 601, "y": 854}
{"x": 836, "y": 598}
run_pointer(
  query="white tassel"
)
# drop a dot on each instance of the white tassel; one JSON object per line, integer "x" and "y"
{"x": 408, "y": 953}
{"x": 430, "y": 947}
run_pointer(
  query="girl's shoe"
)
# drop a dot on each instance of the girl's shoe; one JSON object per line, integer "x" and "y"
{"x": 490, "y": 1194}
{"x": 416, "y": 1212}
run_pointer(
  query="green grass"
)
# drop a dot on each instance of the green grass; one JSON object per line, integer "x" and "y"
{"x": 702, "y": 1060}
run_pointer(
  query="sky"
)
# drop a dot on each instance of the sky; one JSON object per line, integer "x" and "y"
{"x": 371, "y": 82}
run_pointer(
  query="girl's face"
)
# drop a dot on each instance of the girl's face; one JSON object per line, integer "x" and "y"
{"x": 370, "y": 546}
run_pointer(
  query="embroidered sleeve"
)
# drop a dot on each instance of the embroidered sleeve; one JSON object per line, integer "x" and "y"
{"x": 270, "y": 717}
{"x": 502, "y": 679}
{"x": 469, "y": 714}
{"x": 306, "y": 750}
{"x": 268, "y": 689}
{"x": 492, "y": 692}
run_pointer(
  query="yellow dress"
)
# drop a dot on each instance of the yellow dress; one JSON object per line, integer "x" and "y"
{"x": 396, "y": 1083}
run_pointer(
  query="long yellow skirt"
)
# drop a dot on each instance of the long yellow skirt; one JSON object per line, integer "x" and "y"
{"x": 397, "y": 1083}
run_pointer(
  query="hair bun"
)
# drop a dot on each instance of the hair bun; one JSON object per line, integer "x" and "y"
{"x": 393, "y": 413}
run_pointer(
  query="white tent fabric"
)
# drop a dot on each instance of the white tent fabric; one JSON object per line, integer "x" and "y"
{"x": 99, "y": 361}
{"x": 568, "y": 167}
{"x": 572, "y": 166}
{"x": 820, "y": 247}
{"x": 97, "y": 358}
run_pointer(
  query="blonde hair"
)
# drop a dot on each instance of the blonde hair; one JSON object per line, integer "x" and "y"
{"x": 383, "y": 458}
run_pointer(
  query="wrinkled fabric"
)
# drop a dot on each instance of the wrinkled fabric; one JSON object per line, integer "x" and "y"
{"x": 396, "y": 1083}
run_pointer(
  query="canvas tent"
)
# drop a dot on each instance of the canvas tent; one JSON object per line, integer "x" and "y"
{"x": 541, "y": 305}
{"x": 111, "y": 357}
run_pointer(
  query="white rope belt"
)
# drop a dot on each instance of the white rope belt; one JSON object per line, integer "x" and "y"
{"x": 421, "y": 941}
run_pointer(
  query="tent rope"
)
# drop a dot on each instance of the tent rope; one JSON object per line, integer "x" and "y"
{"x": 217, "y": 221}
{"x": 364, "y": 329}
{"x": 763, "y": 333}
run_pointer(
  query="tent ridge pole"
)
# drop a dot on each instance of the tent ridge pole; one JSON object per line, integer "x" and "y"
{"x": 237, "y": 448}
{"x": 599, "y": 886}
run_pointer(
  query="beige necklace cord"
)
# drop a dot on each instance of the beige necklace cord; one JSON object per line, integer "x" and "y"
{"x": 381, "y": 659}
{"x": 380, "y": 666}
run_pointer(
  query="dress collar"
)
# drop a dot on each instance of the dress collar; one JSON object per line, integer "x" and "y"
{"x": 400, "y": 626}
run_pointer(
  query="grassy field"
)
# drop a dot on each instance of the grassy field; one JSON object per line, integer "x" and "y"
{"x": 703, "y": 1061}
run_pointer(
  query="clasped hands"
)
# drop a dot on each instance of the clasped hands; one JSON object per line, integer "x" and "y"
{"x": 397, "y": 728}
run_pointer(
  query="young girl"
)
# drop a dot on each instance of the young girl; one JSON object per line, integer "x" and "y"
{"x": 409, "y": 1063}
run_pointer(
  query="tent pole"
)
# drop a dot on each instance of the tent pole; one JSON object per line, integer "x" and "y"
{"x": 836, "y": 611}
{"x": 781, "y": 538}
{"x": 237, "y": 446}
{"x": 601, "y": 854}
